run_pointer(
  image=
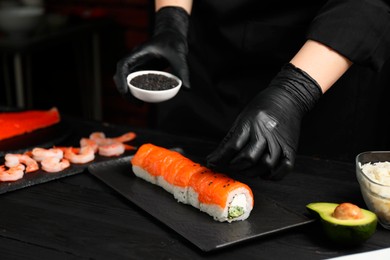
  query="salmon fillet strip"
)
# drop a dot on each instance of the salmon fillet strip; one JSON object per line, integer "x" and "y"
{"x": 18, "y": 123}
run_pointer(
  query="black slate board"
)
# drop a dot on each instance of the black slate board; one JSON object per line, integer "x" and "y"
{"x": 40, "y": 176}
{"x": 266, "y": 218}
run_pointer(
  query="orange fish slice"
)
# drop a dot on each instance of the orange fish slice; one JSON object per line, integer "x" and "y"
{"x": 19, "y": 123}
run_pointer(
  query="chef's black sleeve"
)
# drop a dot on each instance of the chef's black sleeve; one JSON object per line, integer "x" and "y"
{"x": 357, "y": 29}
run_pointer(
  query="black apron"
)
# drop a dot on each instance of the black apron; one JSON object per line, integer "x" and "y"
{"x": 235, "y": 49}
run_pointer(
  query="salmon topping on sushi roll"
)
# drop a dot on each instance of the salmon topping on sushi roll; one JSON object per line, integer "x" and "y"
{"x": 215, "y": 193}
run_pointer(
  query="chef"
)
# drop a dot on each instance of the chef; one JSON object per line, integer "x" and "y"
{"x": 269, "y": 79}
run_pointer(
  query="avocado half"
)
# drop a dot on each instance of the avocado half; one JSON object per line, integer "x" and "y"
{"x": 347, "y": 231}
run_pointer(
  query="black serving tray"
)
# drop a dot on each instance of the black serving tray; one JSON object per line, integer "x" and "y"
{"x": 267, "y": 217}
{"x": 40, "y": 176}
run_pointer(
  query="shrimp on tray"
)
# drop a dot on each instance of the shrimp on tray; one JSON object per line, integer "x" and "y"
{"x": 89, "y": 142}
{"x": 12, "y": 160}
{"x": 109, "y": 147}
{"x": 81, "y": 155}
{"x": 11, "y": 174}
{"x": 54, "y": 164}
{"x": 126, "y": 137}
{"x": 39, "y": 154}
{"x": 100, "y": 138}
{"x": 57, "y": 159}
{"x": 51, "y": 159}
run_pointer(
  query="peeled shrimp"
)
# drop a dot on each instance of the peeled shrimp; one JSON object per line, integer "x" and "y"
{"x": 111, "y": 148}
{"x": 97, "y": 136}
{"x": 89, "y": 142}
{"x": 129, "y": 147}
{"x": 12, "y": 160}
{"x": 79, "y": 155}
{"x": 11, "y": 174}
{"x": 127, "y": 137}
{"x": 39, "y": 154}
{"x": 54, "y": 164}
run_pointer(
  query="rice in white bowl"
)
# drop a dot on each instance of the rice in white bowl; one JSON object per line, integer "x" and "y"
{"x": 378, "y": 172}
{"x": 377, "y": 192}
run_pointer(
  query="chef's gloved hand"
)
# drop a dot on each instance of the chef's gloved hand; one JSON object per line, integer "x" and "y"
{"x": 264, "y": 137}
{"x": 166, "y": 48}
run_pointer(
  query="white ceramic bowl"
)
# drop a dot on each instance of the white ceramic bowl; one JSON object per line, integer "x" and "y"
{"x": 20, "y": 20}
{"x": 375, "y": 190}
{"x": 153, "y": 96}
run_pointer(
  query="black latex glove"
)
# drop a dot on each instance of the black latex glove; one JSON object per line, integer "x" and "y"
{"x": 265, "y": 135}
{"x": 166, "y": 48}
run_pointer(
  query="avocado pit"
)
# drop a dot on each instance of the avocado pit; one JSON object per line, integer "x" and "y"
{"x": 347, "y": 211}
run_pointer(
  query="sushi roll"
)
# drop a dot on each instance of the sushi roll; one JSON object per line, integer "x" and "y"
{"x": 216, "y": 194}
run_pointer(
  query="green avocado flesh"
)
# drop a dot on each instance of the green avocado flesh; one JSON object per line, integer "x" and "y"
{"x": 348, "y": 231}
{"x": 235, "y": 212}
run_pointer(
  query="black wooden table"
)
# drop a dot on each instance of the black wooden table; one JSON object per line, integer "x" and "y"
{"x": 80, "y": 217}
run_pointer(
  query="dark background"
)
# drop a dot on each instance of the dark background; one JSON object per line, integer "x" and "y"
{"x": 55, "y": 69}
{"x": 55, "y": 77}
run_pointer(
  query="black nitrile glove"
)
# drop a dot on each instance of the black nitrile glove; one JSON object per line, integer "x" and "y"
{"x": 166, "y": 48}
{"x": 265, "y": 135}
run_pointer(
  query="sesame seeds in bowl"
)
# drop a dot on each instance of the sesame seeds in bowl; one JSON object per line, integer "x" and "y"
{"x": 153, "y": 86}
